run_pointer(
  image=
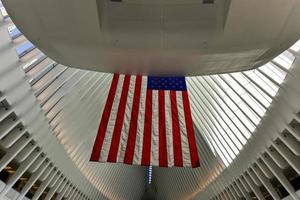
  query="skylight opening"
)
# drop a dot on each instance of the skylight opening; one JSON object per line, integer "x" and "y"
{"x": 213, "y": 139}
{"x": 271, "y": 74}
{"x": 24, "y": 48}
{"x": 251, "y": 116}
{"x": 220, "y": 143}
{"x": 246, "y": 121}
{"x": 223, "y": 116}
{"x": 276, "y": 70}
{"x": 226, "y": 98}
{"x": 288, "y": 57}
{"x": 238, "y": 134}
{"x": 221, "y": 126}
{"x": 296, "y": 46}
{"x": 223, "y": 136}
{"x": 252, "y": 90}
{"x": 149, "y": 175}
{"x": 232, "y": 94}
{"x": 230, "y": 145}
{"x": 264, "y": 100}
{"x": 242, "y": 127}
{"x": 256, "y": 109}
{"x": 260, "y": 80}
{"x": 209, "y": 142}
{"x": 211, "y": 130}
{"x": 226, "y": 110}
{"x": 237, "y": 88}
{"x": 285, "y": 59}
{"x": 214, "y": 146}
{"x": 236, "y": 139}
{"x": 247, "y": 98}
{"x": 230, "y": 106}
{"x": 14, "y": 32}
{"x": 223, "y": 102}
{"x": 32, "y": 63}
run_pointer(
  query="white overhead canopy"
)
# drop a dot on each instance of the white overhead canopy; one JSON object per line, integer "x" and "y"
{"x": 190, "y": 37}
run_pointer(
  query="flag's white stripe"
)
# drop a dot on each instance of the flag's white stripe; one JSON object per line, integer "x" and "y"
{"x": 127, "y": 119}
{"x": 155, "y": 132}
{"x": 169, "y": 130}
{"x": 137, "y": 157}
{"x": 111, "y": 121}
{"x": 184, "y": 140}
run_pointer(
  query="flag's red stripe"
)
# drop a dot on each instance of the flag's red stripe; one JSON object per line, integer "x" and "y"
{"x": 190, "y": 130}
{"x": 147, "y": 129}
{"x": 133, "y": 121}
{"x": 114, "y": 146}
{"x": 104, "y": 120}
{"x": 177, "y": 151}
{"x": 163, "y": 158}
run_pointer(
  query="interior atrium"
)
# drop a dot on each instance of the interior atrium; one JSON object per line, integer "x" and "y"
{"x": 244, "y": 99}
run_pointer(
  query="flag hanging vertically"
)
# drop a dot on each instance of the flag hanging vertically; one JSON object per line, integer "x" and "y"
{"x": 147, "y": 121}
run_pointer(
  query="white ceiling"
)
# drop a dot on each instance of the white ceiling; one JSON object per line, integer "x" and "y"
{"x": 159, "y": 36}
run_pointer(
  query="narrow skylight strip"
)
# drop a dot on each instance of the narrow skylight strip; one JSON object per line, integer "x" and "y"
{"x": 149, "y": 175}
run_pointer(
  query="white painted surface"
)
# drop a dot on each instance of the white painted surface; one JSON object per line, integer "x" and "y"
{"x": 161, "y": 37}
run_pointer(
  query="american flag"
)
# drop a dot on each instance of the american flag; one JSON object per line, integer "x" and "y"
{"x": 147, "y": 121}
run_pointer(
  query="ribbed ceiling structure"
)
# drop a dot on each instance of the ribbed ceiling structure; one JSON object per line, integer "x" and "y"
{"x": 229, "y": 113}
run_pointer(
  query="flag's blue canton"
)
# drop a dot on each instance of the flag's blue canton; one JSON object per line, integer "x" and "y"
{"x": 166, "y": 83}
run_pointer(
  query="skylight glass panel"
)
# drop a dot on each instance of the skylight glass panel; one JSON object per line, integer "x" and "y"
{"x": 255, "y": 92}
{"x": 227, "y": 110}
{"x": 255, "y": 107}
{"x": 225, "y": 120}
{"x": 242, "y": 127}
{"x": 288, "y": 57}
{"x": 235, "y": 140}
{"x": 271, "y": 74}
{"x": 245, "y": 119}
{"x": 39, "y": 58}
{"x": 237, "y": 133}
{"x": 285, "y": 59}
{"x": 149, "y": 175}
{"x": 230, "y": 144}
{"x": 259, "y": 95}
{"x": 24, "y": 48}
{"x": 14, "y": 32}
{"x": 251, "y": 116}
{"x": 230, "y": 106}
{"x": 258, "y": 79}
{"x": 209, "y": 142}
{"x": 296, "y": 46}
{"x": 233, "y": 96}
{"x": 279, "y": 72}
